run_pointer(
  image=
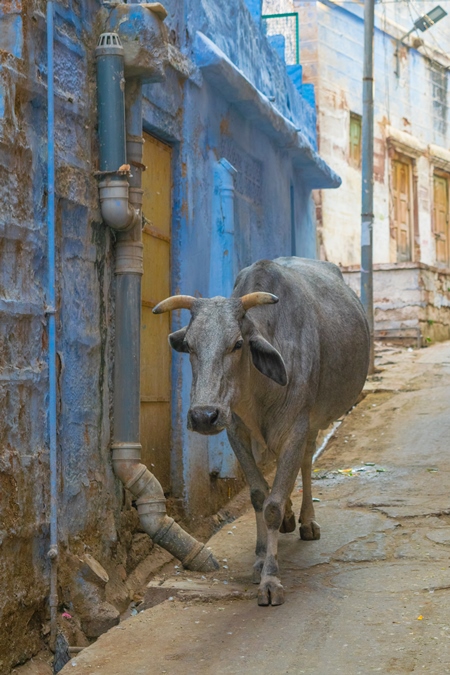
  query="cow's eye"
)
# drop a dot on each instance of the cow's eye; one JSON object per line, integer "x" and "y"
{"x": 238, "y": 345}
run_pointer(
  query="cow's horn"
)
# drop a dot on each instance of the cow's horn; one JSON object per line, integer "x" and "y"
{"x": 253, "y": 299}
{"x": 174, "y": 302}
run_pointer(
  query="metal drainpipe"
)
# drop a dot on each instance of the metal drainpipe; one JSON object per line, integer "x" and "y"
{"x": 50, "y": 311}
{"x": 117, "y": 211}
{"x": 126, "y": 447}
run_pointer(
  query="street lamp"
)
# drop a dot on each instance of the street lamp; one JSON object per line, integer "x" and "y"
{"x": 423, "y": 23}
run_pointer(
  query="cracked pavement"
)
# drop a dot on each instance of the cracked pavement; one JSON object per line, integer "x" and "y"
{"x": 371, "y": 596}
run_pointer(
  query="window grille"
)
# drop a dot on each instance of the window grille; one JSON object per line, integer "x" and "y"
{"x": 439, "y": 89}
{"x": 285, "y": 24}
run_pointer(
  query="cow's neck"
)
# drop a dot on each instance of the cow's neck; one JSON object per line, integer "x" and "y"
{"x": 248, "y": 407}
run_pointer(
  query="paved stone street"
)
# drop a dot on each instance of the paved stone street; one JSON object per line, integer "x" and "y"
{"x": 370, "y": 596}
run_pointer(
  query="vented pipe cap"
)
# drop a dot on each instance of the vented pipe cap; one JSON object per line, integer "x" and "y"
{"x": 109, "y": 45}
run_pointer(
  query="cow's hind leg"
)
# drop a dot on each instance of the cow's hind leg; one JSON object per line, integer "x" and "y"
{"x": 309, "y": 529}
{"x": 288, "y": 524}
{"x": 270, "y": 590}
{"x": 240, "y": 441}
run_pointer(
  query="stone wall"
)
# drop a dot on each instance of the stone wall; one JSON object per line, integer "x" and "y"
{"x": 88, "y": 493}
{"x": 411, "y": 301}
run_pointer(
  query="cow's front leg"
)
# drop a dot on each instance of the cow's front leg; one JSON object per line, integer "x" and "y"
{"x": 270, "y": 590}
{"x": 261, "y": 541}
{"x": 309, "y": 529}
{"x": 240, "y": 441}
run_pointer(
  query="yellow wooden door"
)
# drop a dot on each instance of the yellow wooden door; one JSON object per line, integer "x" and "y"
{"x": 441, "y": 219}
{"x": 402, "y": 209}
{"x": 155, "y": 350}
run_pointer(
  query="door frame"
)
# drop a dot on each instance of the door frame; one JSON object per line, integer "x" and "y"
{"x": 155, "y": 233}
{"x": 397, "y": 156}
{"x": 441, "y": 173}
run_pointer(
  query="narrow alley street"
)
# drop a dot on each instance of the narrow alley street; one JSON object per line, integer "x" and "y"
{"x": 166, "y": 168}
{"x": 370, "y": 596}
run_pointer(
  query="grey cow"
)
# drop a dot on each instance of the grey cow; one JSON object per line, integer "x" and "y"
{"x": 285, "y": 356}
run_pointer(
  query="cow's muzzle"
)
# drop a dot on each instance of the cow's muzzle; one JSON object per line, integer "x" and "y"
{"x": 205, "y": 419}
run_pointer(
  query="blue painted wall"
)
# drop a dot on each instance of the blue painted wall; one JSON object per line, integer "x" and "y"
{"x": 204, "y": 127}
{"x": 212, "y": 128}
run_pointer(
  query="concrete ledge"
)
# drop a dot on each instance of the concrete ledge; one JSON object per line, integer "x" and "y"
{"x": 411, "y": 301}
{"x": 439, "y": 156}
{"x": 219, "y": 71}
{"x": 206, "y": 590}
{"x": 397, "y": 266}
{"x": 405, "y": 142}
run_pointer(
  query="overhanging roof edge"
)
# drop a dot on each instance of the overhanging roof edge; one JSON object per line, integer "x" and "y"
{"x": 234, "y": 86}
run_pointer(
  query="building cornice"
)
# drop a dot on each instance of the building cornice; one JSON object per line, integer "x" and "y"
{"x": 405, "y": 143}
{"x": 221, "y": 72}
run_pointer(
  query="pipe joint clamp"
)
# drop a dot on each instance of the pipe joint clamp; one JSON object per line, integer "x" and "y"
{"x": 52, "y": 552}
{"x": 133, "y": 483}
{"x": 193, "y": 553}
{"x": 126, "y": 452}
{"x": 151, "y": 506}
{"x": 136, "y": 196}
{"x": 129, "y": 257}
{"x": 134, "y": 148}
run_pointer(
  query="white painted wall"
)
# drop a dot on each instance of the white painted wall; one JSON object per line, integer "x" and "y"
{"x": 331, "y": 52}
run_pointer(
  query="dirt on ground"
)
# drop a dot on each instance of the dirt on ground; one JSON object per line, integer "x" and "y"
{"x": 370, "y": 596}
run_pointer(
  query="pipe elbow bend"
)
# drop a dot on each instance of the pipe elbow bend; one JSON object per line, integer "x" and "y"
{"x": 119, "y": 215}
{"x": 151, "y": 505}
{"x": 115, "y": 208}
{"x": 165, "y": 532}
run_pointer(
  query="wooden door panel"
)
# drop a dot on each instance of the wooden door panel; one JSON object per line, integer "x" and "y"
{"x": 155, "y": 350}
{"x": 401, "y": 194}
{"x": 441, "y": 219}
{"x": 155, "y": 284}
{"x": 156, "y": 179}
{"x": 155, "y": 439}
{"x": 155, "y": 361}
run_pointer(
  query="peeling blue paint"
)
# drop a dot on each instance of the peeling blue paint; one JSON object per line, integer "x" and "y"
{"x": 11, "y": 34}
{"x": 222, "y": 270}
{"x": 2, "y": 101}
{"x": 222, "y": 273}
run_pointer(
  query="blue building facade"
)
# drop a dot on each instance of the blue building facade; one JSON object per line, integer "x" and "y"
{"x": 244, "y": 162}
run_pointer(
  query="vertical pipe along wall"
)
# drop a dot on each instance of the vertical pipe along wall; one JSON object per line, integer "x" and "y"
{"x": 121, "y": 202}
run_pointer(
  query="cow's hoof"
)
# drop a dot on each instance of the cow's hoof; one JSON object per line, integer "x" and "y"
{"x": 288, "y": 524}
{"x": 270, "y": 592}
{"x": 310, "y": 531}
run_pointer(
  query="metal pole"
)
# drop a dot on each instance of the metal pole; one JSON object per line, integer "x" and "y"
{"x": 367, "y": 175}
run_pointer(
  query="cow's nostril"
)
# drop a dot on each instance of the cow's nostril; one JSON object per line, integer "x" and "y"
{"x": 203, "y": 418}
{"x": 213, "y": 415}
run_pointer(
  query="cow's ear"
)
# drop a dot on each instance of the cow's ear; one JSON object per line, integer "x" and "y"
{"x": 268, "y": 360}
{"x": 177, "y": 340}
